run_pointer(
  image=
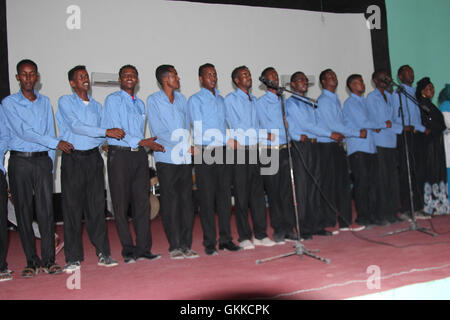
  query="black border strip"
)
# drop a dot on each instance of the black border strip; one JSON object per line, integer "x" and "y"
{"x": 379, "y": 37}
{"x": 4, "y": 73}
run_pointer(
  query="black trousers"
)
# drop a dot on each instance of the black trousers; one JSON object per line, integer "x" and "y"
{"x": 28, "y": 176}
{"x": 335, "y": 184}
{"x": 249, "y": 193}
{"x": 308, "y": 196}
{"x": 129, "y": 178}
{"x": 83, "y": 191}
{"x": 279, "y": 192}
{"x": 214, "y": 184}
{"x": 3, "y": 221}
{"x": 364, "y": 169}
{"x": 414, "y": 149}
{"x": 388, "y": 179}
{"x": 177, "y": 212}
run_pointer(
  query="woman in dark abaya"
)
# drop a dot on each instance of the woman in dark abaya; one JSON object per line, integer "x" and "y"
{"x": 435, "y": 178}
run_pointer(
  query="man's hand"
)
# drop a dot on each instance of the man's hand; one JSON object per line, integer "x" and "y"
{"x": 233, "y": 144}
{"x": 336, "y": 136}
{"x": 194, "y": 150}
{"x": 409, "y": 128}
{"x": 115, "y": 133}
{"x": 105, "y": 147}
{"x": 427, "y": 131}
{"x": 270, "y": 137}
{"x": 363, "y": 133}
{"x": 388, "y": 124}
{"x": 377, "y": 130}
{"x": 303, "y": 138}
{"x": 150, "y": 143}
{"x": 65, "y": 146}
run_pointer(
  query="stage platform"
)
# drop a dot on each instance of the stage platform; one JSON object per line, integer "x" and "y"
{"x": 362, "y": 266}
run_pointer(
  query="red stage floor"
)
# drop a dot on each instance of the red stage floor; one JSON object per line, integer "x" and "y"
{"x": 410, "y": 257}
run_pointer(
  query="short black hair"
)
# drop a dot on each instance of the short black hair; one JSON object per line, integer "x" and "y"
{"x": 26, "y": 61}
{"x": 296, "y": 74}
{"x": 236, "y": 71}
{"x": 323, "y": 74}
{"x": 128, "y": 66}
{"x": 402, "y": 68}
{"x": 72, "y": 71}
{"x": 162, "y": 71}
{"x": 377, "y": 72}
{"x": 352, "y": 78}
{"x": 203, "y": 67}
{"x": 267, "y": 70}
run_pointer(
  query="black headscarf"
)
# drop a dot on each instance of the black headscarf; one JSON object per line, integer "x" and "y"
{"x": 422, "y": 84}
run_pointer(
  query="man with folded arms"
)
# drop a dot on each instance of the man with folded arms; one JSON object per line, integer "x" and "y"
{"x": 380, "y": 109}
{"x": 32, "y": 147}
{"x": 333, "y": 162}
{"x": 207, "y": 116}
{"x": 241, "y": 117}
{"x": 362, "y": 153}
{"x": 169, "y": 120}
{"x": 82, "y": 180}
{"x": 304, "y": 130}
{"x": 128, "y": 172}
{"x": 277, "y": 184}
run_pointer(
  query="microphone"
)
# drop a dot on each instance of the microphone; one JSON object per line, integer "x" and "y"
{"x": 386, "y": 79}
{"x": 268, "y": 83}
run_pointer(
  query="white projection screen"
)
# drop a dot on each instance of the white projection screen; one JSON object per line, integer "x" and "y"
{"x": 111, "y": 33}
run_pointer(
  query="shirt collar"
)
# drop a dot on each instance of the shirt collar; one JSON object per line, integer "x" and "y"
{"x": 23, "y": 98}
{"x": 127, "y": 95}
{"x": 330, "y": 94}
{"x": 243, "y": 94}
{"x": 78, "y": 97}
{"x": 272, "y": 97}
{"x": 359, "y": 98}
{"x": 209, "y": 93}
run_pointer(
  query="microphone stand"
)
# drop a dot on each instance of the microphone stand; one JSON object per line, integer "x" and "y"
{"x": 299, "y": 249}
{"x": 413, "y": 226}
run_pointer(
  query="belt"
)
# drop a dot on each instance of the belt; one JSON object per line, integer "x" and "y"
{"x": 125, "y": 148}
{"x": 279, "y": 147}
{"x": 28, "y": 154}
{"x": 313, "y": 140}
{"x": 85, "y": 152}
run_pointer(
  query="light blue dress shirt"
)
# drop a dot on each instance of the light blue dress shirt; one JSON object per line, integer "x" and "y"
{"x": 170, "y": 123}
{"x": 270, "y": 117}
{"x": 240, "y": 113}
{"x": 410, "y": 109}
{"x": 127, "y": 113}
{"x": 302, "y": 119}
{"x": 381, "y": 111}
{"x": 329, "y": 114}
{"x": 78, "y": 123}
{"x": 207, "y": 117}
{"x": 356, "y": 115}
{"x": 4, "y": 139}
{"x": 30, "y": 123}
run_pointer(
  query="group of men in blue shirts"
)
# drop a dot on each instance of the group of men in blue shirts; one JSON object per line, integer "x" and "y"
{"x": 230, "y": 136}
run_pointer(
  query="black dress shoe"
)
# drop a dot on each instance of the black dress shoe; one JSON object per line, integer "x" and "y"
{"x": 148, "y": 256}
{"x": 230, "y": 246}
{"x": 211, "y": 251}
{"x": 323, "y": 232}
